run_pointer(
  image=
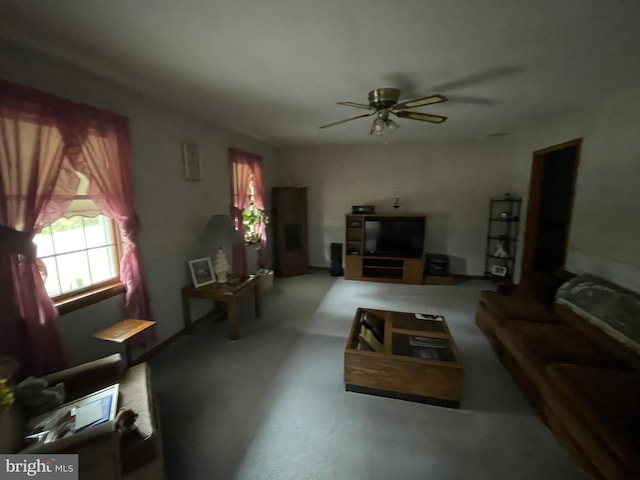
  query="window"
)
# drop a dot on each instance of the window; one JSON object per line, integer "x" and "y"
{"x": 252, "y": 218}
{"x": 248, "y": 199}
{"x": 247, "y": 207}
{"x": 80, "y": 253}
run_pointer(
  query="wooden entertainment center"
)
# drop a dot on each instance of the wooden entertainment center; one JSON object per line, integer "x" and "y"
{"x": 360, "y": 265}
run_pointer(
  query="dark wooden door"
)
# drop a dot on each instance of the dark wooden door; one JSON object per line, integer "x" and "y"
{"x": 553, "y": 176}
{"x": 291, "y": 249}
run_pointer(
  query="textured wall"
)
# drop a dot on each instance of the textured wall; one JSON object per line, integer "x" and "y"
{"x": 605, "y": 230}
{"x": 450, "y": 183}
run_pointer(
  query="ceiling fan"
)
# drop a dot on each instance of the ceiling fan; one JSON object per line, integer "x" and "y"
{"x": 384, "y": 101}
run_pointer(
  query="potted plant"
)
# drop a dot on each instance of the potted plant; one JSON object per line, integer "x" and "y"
{"x": 8, "y": 427}
{"x": 6, "y": 394}
{"x": 252, "y": 219}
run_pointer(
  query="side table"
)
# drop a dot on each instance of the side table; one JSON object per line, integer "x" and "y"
{"x": 123, "y": 332}
{"x": 226, "y": 293}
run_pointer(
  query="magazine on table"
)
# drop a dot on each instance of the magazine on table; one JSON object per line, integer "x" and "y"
{"x": 416, "y": 341}
{"x": 75, "y": 416}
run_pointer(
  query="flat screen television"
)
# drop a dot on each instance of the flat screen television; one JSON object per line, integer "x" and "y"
{"x": 394, "y": 237}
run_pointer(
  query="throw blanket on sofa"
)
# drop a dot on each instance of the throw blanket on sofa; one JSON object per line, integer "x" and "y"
{"x": 611, "y": 307}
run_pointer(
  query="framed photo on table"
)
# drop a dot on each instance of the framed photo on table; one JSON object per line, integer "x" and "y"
{"x": 202, "y": 272}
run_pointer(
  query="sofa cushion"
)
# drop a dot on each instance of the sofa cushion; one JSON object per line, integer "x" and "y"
{"x": 601, "y": 409}
{"x": 89, "y": 377}
{"x": 13, "y": 424}
{"x": 540, "y": 286}
{"x": 486, "y": 321}
{"x": 598, "y": 335}
{"x": 604, "y": 311}
{"x": 135, "y": 393}
{"x": 535, "y": 345}
{"x": 521, "y": 307}
{"x": 615, "y": 309}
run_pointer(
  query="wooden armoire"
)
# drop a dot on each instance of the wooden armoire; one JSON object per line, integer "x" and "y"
{"x": 289, "y": 227}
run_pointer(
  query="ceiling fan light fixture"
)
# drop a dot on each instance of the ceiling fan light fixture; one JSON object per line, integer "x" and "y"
{"x": 390, "y": 126}
{"x": 378, "y": 127}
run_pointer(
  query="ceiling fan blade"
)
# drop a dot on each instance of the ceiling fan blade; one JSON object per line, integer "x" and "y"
{"x": 424, "y": 117}
{"x": 357, "y": 105}
{"x": 419, "y": 102}
{"x": 347, "y": 120}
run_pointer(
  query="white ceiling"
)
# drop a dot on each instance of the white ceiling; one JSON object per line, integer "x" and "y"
{"x": 274, "y": 69}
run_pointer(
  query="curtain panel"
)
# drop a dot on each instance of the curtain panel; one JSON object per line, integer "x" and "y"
{"x": 44, "y": 141}
{"x": 243, "y": 166}
{"x": 105, "y": 159}
{"x": 35, "y": 184}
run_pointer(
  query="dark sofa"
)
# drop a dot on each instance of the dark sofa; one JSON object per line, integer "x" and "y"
{"x": 581, "y": 373}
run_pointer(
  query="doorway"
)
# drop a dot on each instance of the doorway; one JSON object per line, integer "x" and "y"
{"x": 551, "y": 191}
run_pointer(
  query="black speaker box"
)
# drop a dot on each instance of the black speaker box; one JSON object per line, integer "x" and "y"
{"x": 336, "y": 260}
{"x": 436, "y": 265}
{"x": 336, "y": 269}
{"x": 336, "y": 252}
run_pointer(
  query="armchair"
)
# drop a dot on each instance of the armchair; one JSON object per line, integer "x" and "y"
{"x": 103, "y": 453}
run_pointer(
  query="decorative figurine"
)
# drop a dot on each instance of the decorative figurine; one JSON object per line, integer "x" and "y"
{"x": 501, "y": 250}
{"x": 126, "y": 421}
{"x": 221, "y": 266}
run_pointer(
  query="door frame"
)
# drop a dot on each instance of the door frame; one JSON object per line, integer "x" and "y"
{"x": 535, "y": 199}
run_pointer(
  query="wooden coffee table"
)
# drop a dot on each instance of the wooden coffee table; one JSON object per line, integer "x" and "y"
{"x": 227, "y": 293}
{"x": 418, "y": 359}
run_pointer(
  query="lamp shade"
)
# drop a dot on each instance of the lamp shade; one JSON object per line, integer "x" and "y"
{"x": 219, "y": 231}
{"x": 219, "y": 235}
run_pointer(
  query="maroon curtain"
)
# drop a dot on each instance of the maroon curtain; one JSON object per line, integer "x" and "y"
{"x": 242, "y": 167}
{"x": 264, "y": 255}
{"x": 36, "y": 185}
{"x": 105, "y": 158}
{"x": 44, "y": 140}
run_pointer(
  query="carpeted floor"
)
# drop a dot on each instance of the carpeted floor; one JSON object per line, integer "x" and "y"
{"x": 272, "y": 405}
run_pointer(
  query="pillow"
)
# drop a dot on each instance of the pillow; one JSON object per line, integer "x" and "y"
{"x": 36, "y": 397}
{"x": 610, "y": 307}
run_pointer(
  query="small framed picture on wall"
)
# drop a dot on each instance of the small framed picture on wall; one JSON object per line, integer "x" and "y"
{"x": 191, "y": 159}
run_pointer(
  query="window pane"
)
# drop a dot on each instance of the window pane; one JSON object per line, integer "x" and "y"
{"x": 78, "y": 252}
{"x": 98, "y": 231}
{"x": 51, "y": 283}
{"x": 68, "y": 235}
{"x": 44, "y": 242}
{"x": 103, "y": 263}
{"x": 74, "y": 271}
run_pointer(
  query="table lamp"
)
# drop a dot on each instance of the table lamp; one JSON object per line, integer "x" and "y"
{"x": 221, "y": 235}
